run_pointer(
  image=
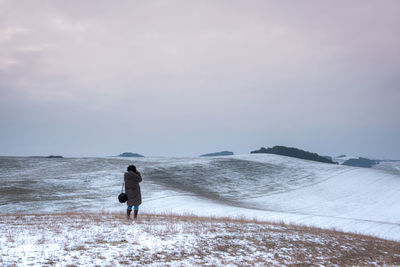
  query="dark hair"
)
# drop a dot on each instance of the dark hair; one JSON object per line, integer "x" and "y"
{"x": 131, "y": 168}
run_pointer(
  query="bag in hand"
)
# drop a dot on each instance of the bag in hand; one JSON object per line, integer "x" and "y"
{"x": 122, "y": 198}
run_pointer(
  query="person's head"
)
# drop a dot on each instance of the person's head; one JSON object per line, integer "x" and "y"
{"x": 131, "y": 168}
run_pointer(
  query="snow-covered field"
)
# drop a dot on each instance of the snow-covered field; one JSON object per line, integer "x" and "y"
{"x": 108, "y": 239}
{"x": 262, "y": 186}
{"x": 253, "y": 187}
{"x": 295, "y": 191}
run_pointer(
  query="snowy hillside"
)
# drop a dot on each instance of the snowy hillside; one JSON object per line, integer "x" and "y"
{"x": 285, "y": 189}
{"x": 264, "y": 186}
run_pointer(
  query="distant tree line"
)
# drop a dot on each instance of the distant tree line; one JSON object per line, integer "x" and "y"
{"x": 294, "y": 152}
{"x": 222, "y": 153}
{"x": 130, "y": 155}
{"x": 361, "y": 162}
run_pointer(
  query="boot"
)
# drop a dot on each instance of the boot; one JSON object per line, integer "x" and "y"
{"x": 128, "y": 214}
{"x": 135, "y": 212}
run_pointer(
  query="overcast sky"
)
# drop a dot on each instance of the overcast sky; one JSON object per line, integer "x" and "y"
{"x": 182, "y": 78}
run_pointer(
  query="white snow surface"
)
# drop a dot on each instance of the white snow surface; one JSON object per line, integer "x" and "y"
{"x": 85, "y": 239}
{"x": 263, "y": 186}
{"x": 350, "y": 199}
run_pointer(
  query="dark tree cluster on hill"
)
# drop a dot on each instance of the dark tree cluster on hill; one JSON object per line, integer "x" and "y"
{"x": 361, "y": 162}
{"x": 130, "y": 155}
{"x": 293, "y": 152}
{"x": 222, "y": 153}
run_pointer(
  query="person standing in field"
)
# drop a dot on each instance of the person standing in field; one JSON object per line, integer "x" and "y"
{"x": 132, "y": 179}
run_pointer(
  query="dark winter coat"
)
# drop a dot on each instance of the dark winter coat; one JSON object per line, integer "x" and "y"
{"x": 132, "y": 188}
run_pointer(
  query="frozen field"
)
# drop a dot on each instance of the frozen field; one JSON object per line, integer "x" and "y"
{"x": 85, "y": 239}
{"x": 266, "y": 187}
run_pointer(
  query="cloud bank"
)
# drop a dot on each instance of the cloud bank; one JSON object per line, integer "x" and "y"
{"x": 190, "y": 77}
